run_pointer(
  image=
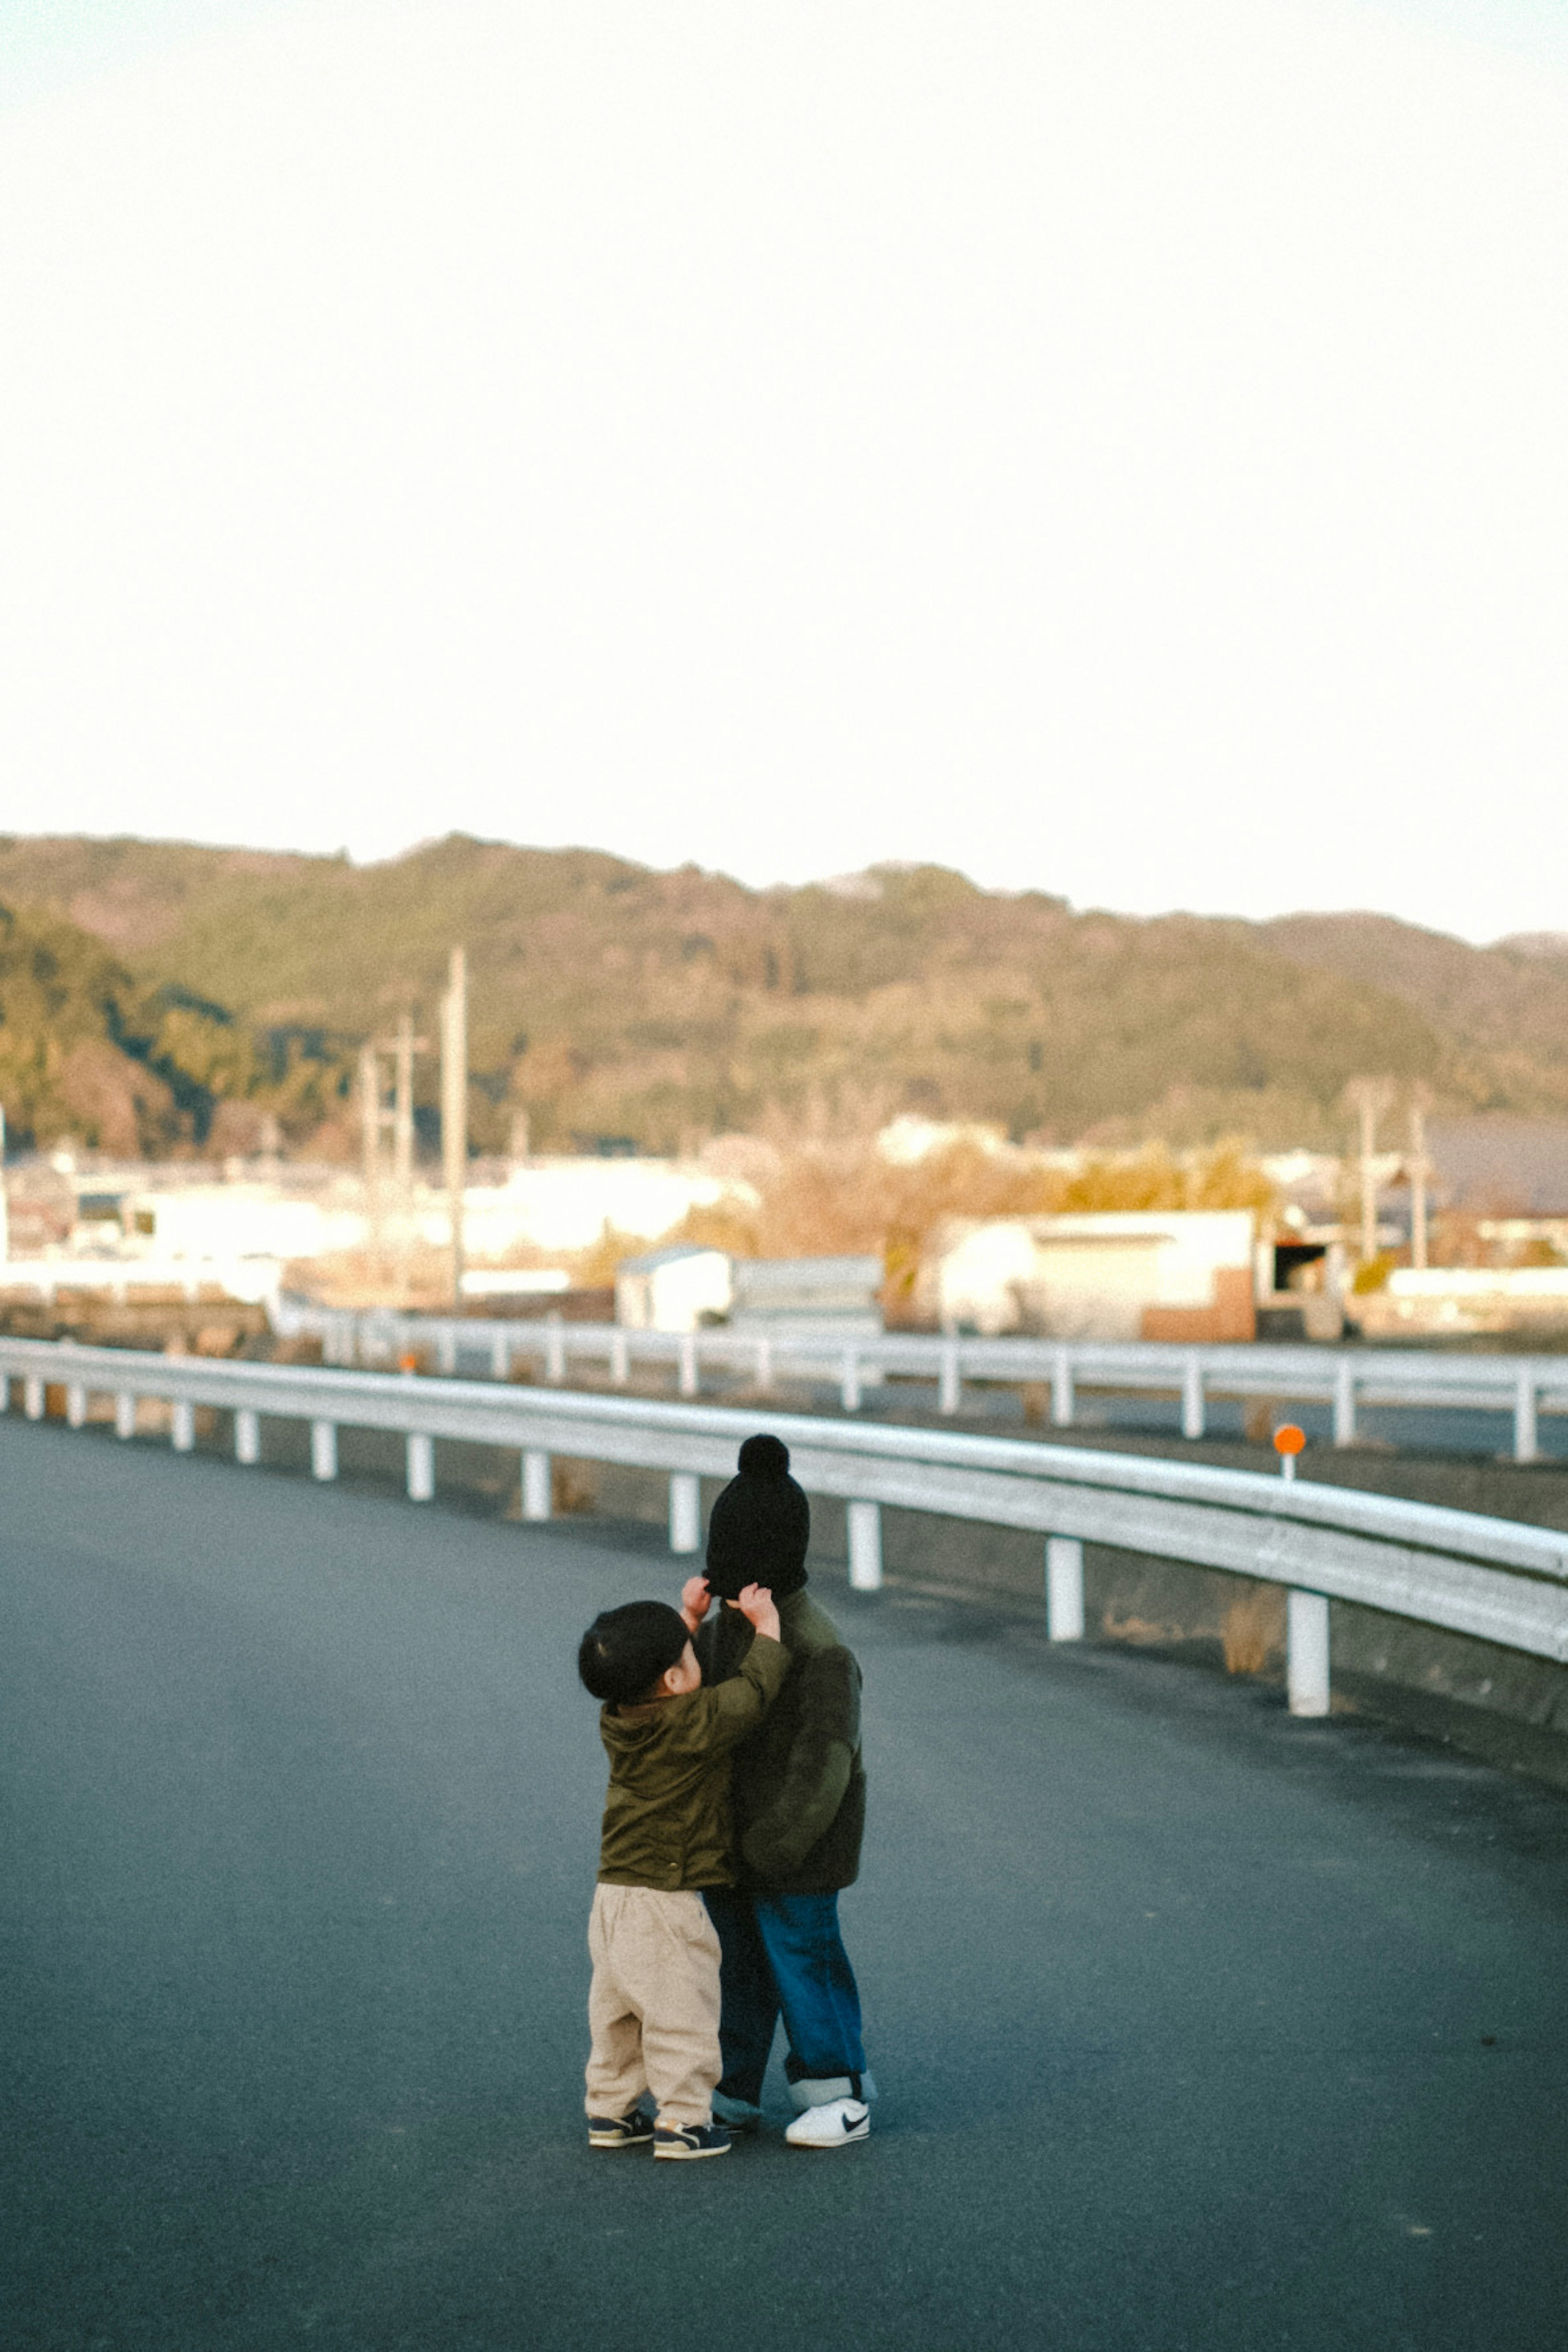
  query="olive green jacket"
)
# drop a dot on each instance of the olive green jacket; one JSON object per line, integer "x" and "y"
{"x": 666, "y": 1817}
{"x": 799, "y": 1783}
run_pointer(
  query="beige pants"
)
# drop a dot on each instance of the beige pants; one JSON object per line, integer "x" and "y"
{"x": 653, "y": 2007}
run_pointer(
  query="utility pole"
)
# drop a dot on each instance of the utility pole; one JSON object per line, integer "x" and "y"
{"x": 378, "y": 1119}
{"x": 403, "y": 1049}
{"x": 1369, "y": 1097}
{"x": 1420, "y": 1168}
{"x": 370, "y": 1126}
{"x": 402, "y": 1148}
{"x": 455, "y": 1106}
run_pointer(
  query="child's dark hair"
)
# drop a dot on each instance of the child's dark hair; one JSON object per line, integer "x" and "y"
{"x": 624, "y": 1651}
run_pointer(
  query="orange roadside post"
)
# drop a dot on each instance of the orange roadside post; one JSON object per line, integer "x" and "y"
{"x": 1289, "y": 1441}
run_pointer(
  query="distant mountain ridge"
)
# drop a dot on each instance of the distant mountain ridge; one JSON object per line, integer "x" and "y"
{"x": 612, "y": 1000}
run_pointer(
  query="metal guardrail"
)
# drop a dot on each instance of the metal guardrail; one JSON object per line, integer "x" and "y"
{"x": 1348, "y": 1380}
{"x": 253, "y": 1281}
{"x": 1495, "y": 1579}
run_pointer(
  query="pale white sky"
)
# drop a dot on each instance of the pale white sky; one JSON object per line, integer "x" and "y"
{"x": 1109, "y": 446}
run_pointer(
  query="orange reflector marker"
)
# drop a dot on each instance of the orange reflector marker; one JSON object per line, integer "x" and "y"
{"x": 1287, "y": 1443}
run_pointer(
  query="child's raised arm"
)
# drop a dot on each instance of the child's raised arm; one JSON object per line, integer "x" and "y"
{"x": 756, "y": 1606}
{"x": 724, "y": 1713}
{"x": 695, "y": 1602}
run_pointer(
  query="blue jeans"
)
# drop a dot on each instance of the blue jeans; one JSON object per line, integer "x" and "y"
{"x": 783, "y": 1955}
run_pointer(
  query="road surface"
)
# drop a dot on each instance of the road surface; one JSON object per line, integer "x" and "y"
{"x": 1195, "y": 2027}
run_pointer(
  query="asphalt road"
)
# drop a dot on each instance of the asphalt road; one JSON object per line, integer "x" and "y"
{"x": 1196, "y": 2028}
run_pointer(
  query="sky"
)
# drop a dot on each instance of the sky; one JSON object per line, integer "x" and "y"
{"x": 1110, "y": 447}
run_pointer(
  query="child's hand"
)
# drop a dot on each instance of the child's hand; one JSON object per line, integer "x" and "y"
{"x": 756, "y": 1606}
{"x": 695, "y": 1602}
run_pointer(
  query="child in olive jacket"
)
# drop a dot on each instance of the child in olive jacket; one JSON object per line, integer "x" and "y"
{"x": 653, "y": 2007}
{"x": 799, "y": 1801}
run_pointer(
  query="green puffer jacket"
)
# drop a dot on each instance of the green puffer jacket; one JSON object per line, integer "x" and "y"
{"x": 667, "y": 1818}
{"x": 799, "y": 1787}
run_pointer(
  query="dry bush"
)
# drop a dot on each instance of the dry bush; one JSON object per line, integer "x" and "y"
{"x": 820, "y": 1197}
{"x": 1253, "y": 1632}
{"x": 1221, "y": 1178}
{"x": 572, "y": 1487}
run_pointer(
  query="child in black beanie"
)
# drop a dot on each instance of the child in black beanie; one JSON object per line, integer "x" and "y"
{"x": 799, "y": 1801}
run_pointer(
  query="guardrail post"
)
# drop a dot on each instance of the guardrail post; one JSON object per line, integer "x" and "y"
{"x": 246, "y": 1436}
{"x": 556, "y": 1352}
{"x": 124, "y": 1414}
{"x": 324, "y": 1449}
{"x": 689, "y": 1363}
{"x": 4, "y": 1392}
{"x": 183, "y": 1425}
{"x": 1192, "y": 1398}
{"x": 501, "y": 1357}
{"x": 948, "y": 1384}
{"x": 1064, "y": 1589}
{"x": 765, "y": 1367}
{"x": 1307, "y": 1653}
{"x": 864, "y": 1521}
{"x": 76, "y": 1404}
{"x": 1344, "y": 1403}
{"x": 685, "y": 1511}
{"x": 535, "y": 1484}
{"x": 620, "y": 1359}
{"x": 1061, "y": 1390}
{"x": 33, "y": 1396}
{"x": 849, "y": 1382}
{"x": 421, "y": 1466}
{"x": 1525, "y": 1448}
{"x": 446, "y": 1352}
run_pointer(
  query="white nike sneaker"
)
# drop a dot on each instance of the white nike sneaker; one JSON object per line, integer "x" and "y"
{"x": 833, "y": 2125}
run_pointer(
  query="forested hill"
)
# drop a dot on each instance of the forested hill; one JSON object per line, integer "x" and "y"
{"x": 195, "y": 990}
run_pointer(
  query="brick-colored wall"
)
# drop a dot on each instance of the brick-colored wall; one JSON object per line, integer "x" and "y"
{"x": 1229, "y": 1314}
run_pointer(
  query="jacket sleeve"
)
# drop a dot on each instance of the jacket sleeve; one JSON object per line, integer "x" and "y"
{"x": 817, "y": 1773}
{"x": 728, "y": 1710}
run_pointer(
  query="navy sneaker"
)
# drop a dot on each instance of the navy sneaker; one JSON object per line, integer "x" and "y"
{"x": 741, "y": 2115}
{"x": 635, "y": 2130}
{"x": 690, "y": 2139}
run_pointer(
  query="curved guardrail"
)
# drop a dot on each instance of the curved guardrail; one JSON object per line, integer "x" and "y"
{"x": 1496, "y": 1579}
{"x": 1347, "y": 1380}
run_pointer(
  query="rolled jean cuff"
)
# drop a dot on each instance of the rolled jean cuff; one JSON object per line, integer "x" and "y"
{"x": 821, "y": 2090}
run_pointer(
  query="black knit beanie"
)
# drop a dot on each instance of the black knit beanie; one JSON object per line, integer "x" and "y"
{"x": 758, "y": 1528}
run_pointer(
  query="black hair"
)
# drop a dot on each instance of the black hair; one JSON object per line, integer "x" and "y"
{"x": 624, "y": 1651}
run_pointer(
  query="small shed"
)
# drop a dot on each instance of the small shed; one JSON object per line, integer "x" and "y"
{"x": 673, "y": 1289}
{"x": 819, "y": 1298}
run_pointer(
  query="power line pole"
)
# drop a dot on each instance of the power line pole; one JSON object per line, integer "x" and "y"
{"x": 370, "y": 1126}
{"x": 455, "y": 1106}
{"x": 1369, "y": 1097}
{"x": 403, "y": 1051}
{"x": 389, "y": 1208}
{"x": 1420, "y": 1168}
